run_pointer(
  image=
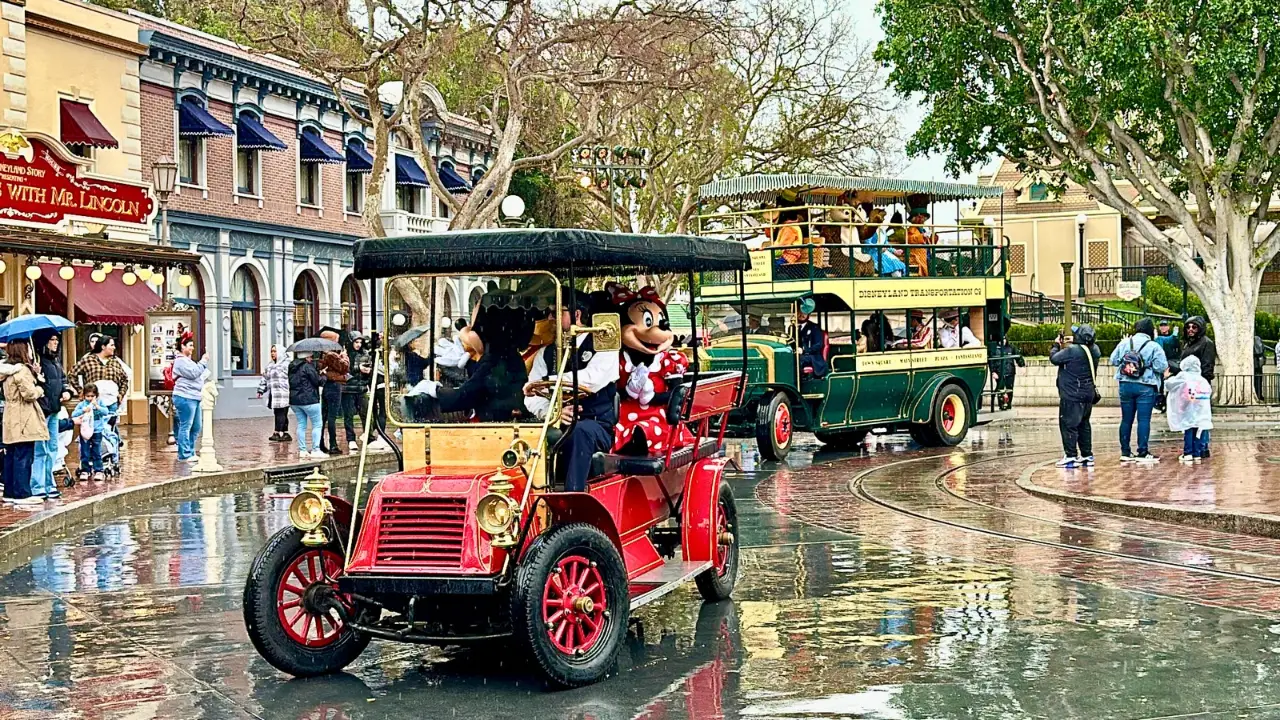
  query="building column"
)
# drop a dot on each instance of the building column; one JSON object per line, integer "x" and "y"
{"x": 221, "y": 310}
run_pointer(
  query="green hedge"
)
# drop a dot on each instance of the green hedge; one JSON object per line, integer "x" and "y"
{"x": 1164, "y": 293}
{"x": 1037, "y": 340}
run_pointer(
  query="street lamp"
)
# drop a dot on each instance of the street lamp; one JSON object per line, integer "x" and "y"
{"x": 164, "y": 177}
{"x": 512, "y": 210}
{"x": 1081, "y": 219}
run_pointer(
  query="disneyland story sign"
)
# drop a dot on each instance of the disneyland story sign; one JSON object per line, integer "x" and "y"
{"x": 43, "y": 185}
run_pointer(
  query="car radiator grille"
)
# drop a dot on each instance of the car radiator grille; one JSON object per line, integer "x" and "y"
{"x": 421, "y": 531}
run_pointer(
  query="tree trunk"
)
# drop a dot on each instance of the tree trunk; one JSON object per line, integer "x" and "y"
{"x": 1231, "y": 314}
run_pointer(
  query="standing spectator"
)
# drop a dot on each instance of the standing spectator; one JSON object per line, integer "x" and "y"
{"x": 275, "y": 385}
{"x": 92, "y": 411}
{"x": 1077, "y": 363}
{"x": 1168, "y": 341}
{"x": 24, "y": 423}
{"x": 353, "y": 392}
{"x": 378, "y": 383}
{"x": 334, "y": 367}
{"x": 1190, "y": 411}
{"x": 101, "y": 363}
{"x": 1199, "y": 345}
{"x": 1139, "y": 361}
{"x": 188, "y": 389}
{"x": 304, "y": 398}
{"x": 1005, "y": 361}
{"x": 1259, "y": 359}
{"x": 55, "y": 393}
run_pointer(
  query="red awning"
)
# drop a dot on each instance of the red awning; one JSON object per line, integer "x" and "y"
{"x": 81, "y": 127}
{"x": 110, "y": 302}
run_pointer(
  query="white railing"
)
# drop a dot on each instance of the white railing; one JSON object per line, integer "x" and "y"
{"x": 399, "y": 222}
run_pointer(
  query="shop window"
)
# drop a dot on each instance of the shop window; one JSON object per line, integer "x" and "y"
{"x": 444, "y": 210}
{"x": 244, "y": 323}
{"x": 355, "y": 192}
{"x": 351, "y": 312}
{"x": 407, "y": 198}
{"x": 306, "y": 307}
{"x": 309, "y": 183}
{"x": 191, "y": 161}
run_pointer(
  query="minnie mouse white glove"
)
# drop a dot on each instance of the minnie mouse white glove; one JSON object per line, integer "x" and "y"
{"x": 639, "y": 386}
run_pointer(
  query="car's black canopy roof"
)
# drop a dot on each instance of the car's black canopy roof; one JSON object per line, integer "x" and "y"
{"x": 589, "y": 252}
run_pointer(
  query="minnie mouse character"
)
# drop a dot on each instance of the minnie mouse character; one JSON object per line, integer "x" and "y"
{"x": 645, "y": 363}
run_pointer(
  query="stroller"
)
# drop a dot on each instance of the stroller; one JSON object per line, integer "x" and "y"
{"x": 109, "y": 397}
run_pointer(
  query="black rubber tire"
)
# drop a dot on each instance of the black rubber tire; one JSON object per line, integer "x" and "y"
{"x": 957, "y": 435}
{"x": 526, "y": 604}
{"x": 714, "y": 586}
{"x": 842, "y": 439}
{"x": 264, "y": 627}
{"x": 766, "y": 439}
{"x": 924, "y": 435}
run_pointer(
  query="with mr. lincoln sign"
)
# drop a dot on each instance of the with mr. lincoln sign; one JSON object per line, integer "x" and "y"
{"x": 41, "y": 185}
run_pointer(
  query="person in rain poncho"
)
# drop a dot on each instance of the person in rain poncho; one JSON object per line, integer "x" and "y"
{"x": 1190, "y": 408}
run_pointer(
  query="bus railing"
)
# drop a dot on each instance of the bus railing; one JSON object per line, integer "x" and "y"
{"x": 868, "y": 261}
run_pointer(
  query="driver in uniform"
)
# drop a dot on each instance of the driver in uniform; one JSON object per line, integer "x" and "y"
{"x": 597, "y": 412}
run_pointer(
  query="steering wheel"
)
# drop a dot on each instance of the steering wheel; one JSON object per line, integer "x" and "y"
{"x": 543, "y": 389}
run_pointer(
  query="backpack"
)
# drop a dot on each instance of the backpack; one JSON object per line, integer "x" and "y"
{"x": 169, "y": 379}
{"x": 1132, "y": 365}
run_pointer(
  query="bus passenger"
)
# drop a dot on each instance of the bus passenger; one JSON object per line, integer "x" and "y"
{"x": 917, "y": 235}
{"x": 951, "y": 335}
{"x": 812, "y": 341}
{"x": 921, "y": 333}
{"x": 886, "y": 261}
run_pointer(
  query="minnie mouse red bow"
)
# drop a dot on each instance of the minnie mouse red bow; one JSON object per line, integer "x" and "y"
{"x": 621, "y": 295}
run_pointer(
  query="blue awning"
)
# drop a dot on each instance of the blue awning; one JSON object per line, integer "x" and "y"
{"x": 409, "y": 172}
{"x": 358, "y": 158}
{"x": 252, "y": 135}
{"x": 195, "y": 121}
{"x": 453, "y": 182}
{"x": 313, "y": 149}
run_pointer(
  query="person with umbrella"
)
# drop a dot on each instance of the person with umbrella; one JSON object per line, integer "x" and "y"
{"x": 24, "y": 422}
{"x": 56, "y": 392}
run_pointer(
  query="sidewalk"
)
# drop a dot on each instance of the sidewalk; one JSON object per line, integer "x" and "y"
{"x": 1236, "y": 490}
{"x": 1110, "y": 415}
{"x": 148, "y": 469}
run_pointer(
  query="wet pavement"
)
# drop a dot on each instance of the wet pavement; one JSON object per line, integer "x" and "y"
{"x": 902, "y": 583}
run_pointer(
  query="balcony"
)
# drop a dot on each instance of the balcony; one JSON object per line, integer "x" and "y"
{"x": 399, "y": 222}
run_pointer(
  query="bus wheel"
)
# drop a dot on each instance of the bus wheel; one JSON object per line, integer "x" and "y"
{"x": 774, "y": 427}
{"x": 951, "y": 415}
{"x": 842, "y": 439}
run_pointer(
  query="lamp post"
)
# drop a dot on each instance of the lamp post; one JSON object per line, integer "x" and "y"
{"x": 1081, "y": 219}
{"x": 164, "y": 178}
{"x": 1066, "y": 296}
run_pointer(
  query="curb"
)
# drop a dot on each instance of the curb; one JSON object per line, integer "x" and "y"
{"x": 115, "y": 503}
{"x": 1256, "y": 524}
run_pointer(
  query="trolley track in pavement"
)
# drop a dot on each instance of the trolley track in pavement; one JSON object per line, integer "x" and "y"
{"x": 858, "y": 487}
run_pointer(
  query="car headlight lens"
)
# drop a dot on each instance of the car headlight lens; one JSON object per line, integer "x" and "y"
{"x": 495, "y": 513}
{"x": 307, "y": 511}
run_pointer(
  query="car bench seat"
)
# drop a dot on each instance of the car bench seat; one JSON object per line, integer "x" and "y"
{"x": 604, "y": 464}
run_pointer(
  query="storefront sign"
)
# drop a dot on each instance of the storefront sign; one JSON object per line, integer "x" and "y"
{"x": 164, "y": 329}
{"x": 43, "y": 185}
{"x": 919, "y": 293}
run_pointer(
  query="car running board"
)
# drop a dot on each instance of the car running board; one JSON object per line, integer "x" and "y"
{"x": 662, "y": 580}
{"x": 991, "y": 416}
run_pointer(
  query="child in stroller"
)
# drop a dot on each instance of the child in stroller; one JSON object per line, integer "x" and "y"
{"x": 100, "y": 446}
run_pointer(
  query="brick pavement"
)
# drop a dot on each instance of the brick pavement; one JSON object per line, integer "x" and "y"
{"x": 240, "y": 445}
{"x": 1242, "y": 476}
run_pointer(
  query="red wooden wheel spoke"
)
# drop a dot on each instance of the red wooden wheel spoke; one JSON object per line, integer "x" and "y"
{"x": 296, "y": 618}
{"x": 591, "y": 588}
{"x": 574, "y": 606}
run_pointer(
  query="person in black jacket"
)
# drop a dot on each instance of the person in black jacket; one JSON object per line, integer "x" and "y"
{"x": 56, "y": 392}
{"x": 1077, "y": 363}
{"x": 1199, "y": 345}
{"x": 304, "y": 398}
{"x": 353, "y": 393}
{"x": 1005, "y": 361}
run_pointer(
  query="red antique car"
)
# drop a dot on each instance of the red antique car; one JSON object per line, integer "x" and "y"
{"x": 561, "y": 462}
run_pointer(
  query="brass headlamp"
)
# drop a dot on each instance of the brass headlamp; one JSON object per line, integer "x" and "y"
{"x": 309, "y": 509}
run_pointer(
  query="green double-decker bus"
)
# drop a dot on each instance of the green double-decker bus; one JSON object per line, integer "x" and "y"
{"x": 898, "y": 312}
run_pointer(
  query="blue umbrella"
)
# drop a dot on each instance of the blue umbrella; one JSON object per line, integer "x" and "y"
{"x": 21, "y": 327}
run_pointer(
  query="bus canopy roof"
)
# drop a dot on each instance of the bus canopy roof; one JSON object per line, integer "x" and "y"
{"x": 763, "y": 187}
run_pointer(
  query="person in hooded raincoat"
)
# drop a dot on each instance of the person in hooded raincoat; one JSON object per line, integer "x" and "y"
{"x": 1190, "y": 408}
